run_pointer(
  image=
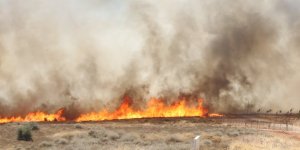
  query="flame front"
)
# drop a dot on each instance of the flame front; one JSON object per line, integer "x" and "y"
{"x": 155, "y": 108}
{"x": 36, "y": 117}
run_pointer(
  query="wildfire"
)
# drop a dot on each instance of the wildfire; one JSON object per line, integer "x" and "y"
{"x": 155, "y": 108}
{"x": 36, "y": 117}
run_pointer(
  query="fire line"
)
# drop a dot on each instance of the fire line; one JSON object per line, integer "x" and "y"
{"x": 155, "y": 108}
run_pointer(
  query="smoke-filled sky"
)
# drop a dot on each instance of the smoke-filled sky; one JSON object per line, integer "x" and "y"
{"x": 87, "y": 54}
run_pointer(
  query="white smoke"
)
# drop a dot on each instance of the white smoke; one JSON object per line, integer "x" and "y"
{"x": 87, "y": 54}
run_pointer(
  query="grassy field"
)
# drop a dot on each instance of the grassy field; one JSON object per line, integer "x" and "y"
{"x": 156, "y": 134}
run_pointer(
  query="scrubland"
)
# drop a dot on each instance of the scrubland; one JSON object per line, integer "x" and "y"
{"x": 156, "y": 134}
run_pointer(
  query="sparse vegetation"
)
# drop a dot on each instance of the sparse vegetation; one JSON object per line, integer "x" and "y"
{"x": 206, "y": 142}
{"x": 24, "y": 133}
{"x": 148, "y": 135}
{"x": 269, "y": 111}
{"x": 233, "y": 133}
{"x": 129, "y": 137}
{"x": 104, "y": 134}
{"x": 93, "y": 134}
{"x": 77, "y": 126}
{"x": 45, "y": 144}
{"x": 33, "y": 126}
{"x": 61, "y": 141}
{"x": 174, "y": 139}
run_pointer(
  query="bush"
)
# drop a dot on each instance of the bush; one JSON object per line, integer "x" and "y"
{"x": 174, "y": 139}
{"x": 206, "y": 142}
{"x": 233, "y": 133}
{"x": 61, "y": 141}
{"x": 20, "y": 134}
{"x": 78, "y": 126}
{"x": 24, "y": 133}
{"x": 33, "y": 126}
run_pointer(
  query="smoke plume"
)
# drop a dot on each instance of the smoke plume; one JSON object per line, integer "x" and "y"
{"x": 86, "y": 55}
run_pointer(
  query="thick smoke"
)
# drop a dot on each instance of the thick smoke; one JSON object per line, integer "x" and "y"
{"x": 86, "y": 55}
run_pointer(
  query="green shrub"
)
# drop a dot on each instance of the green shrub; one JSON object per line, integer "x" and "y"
{"x": 24, "y": 133}
{"x": 20, "y": 135}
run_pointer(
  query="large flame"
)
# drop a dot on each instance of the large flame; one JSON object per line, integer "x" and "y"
{"x": 155, "y": 108}
{"x": 35, "y": 117}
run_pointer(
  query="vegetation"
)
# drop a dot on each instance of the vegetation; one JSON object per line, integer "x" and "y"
{"x": 24, "y": 133}
{"x": 33, "y": 126}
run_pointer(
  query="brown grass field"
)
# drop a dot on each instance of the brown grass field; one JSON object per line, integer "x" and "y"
{"x": 228, "y": 133}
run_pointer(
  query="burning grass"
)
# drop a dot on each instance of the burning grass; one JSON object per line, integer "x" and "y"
{"x": 35, "y": 117}
{"x": 155, "y": 108}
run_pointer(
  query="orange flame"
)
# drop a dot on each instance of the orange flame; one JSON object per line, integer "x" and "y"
{"x": 35, "y": 117}
{"x": 155, "y": 108}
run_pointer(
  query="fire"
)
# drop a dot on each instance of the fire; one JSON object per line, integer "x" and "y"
{"x": 35, "y": 117}
{"x": 215, "y": 115}
{"x": 155, "y": 108}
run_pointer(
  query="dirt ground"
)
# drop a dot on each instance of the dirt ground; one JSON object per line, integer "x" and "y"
{"x": 151, "y": 134}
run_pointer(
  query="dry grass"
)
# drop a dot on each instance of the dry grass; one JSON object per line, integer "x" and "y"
{"x": 264, "y": 142}
{"x": 149, "y": 136}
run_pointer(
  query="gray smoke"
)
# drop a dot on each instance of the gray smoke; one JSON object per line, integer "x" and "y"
{"x": 86, "y": 55}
